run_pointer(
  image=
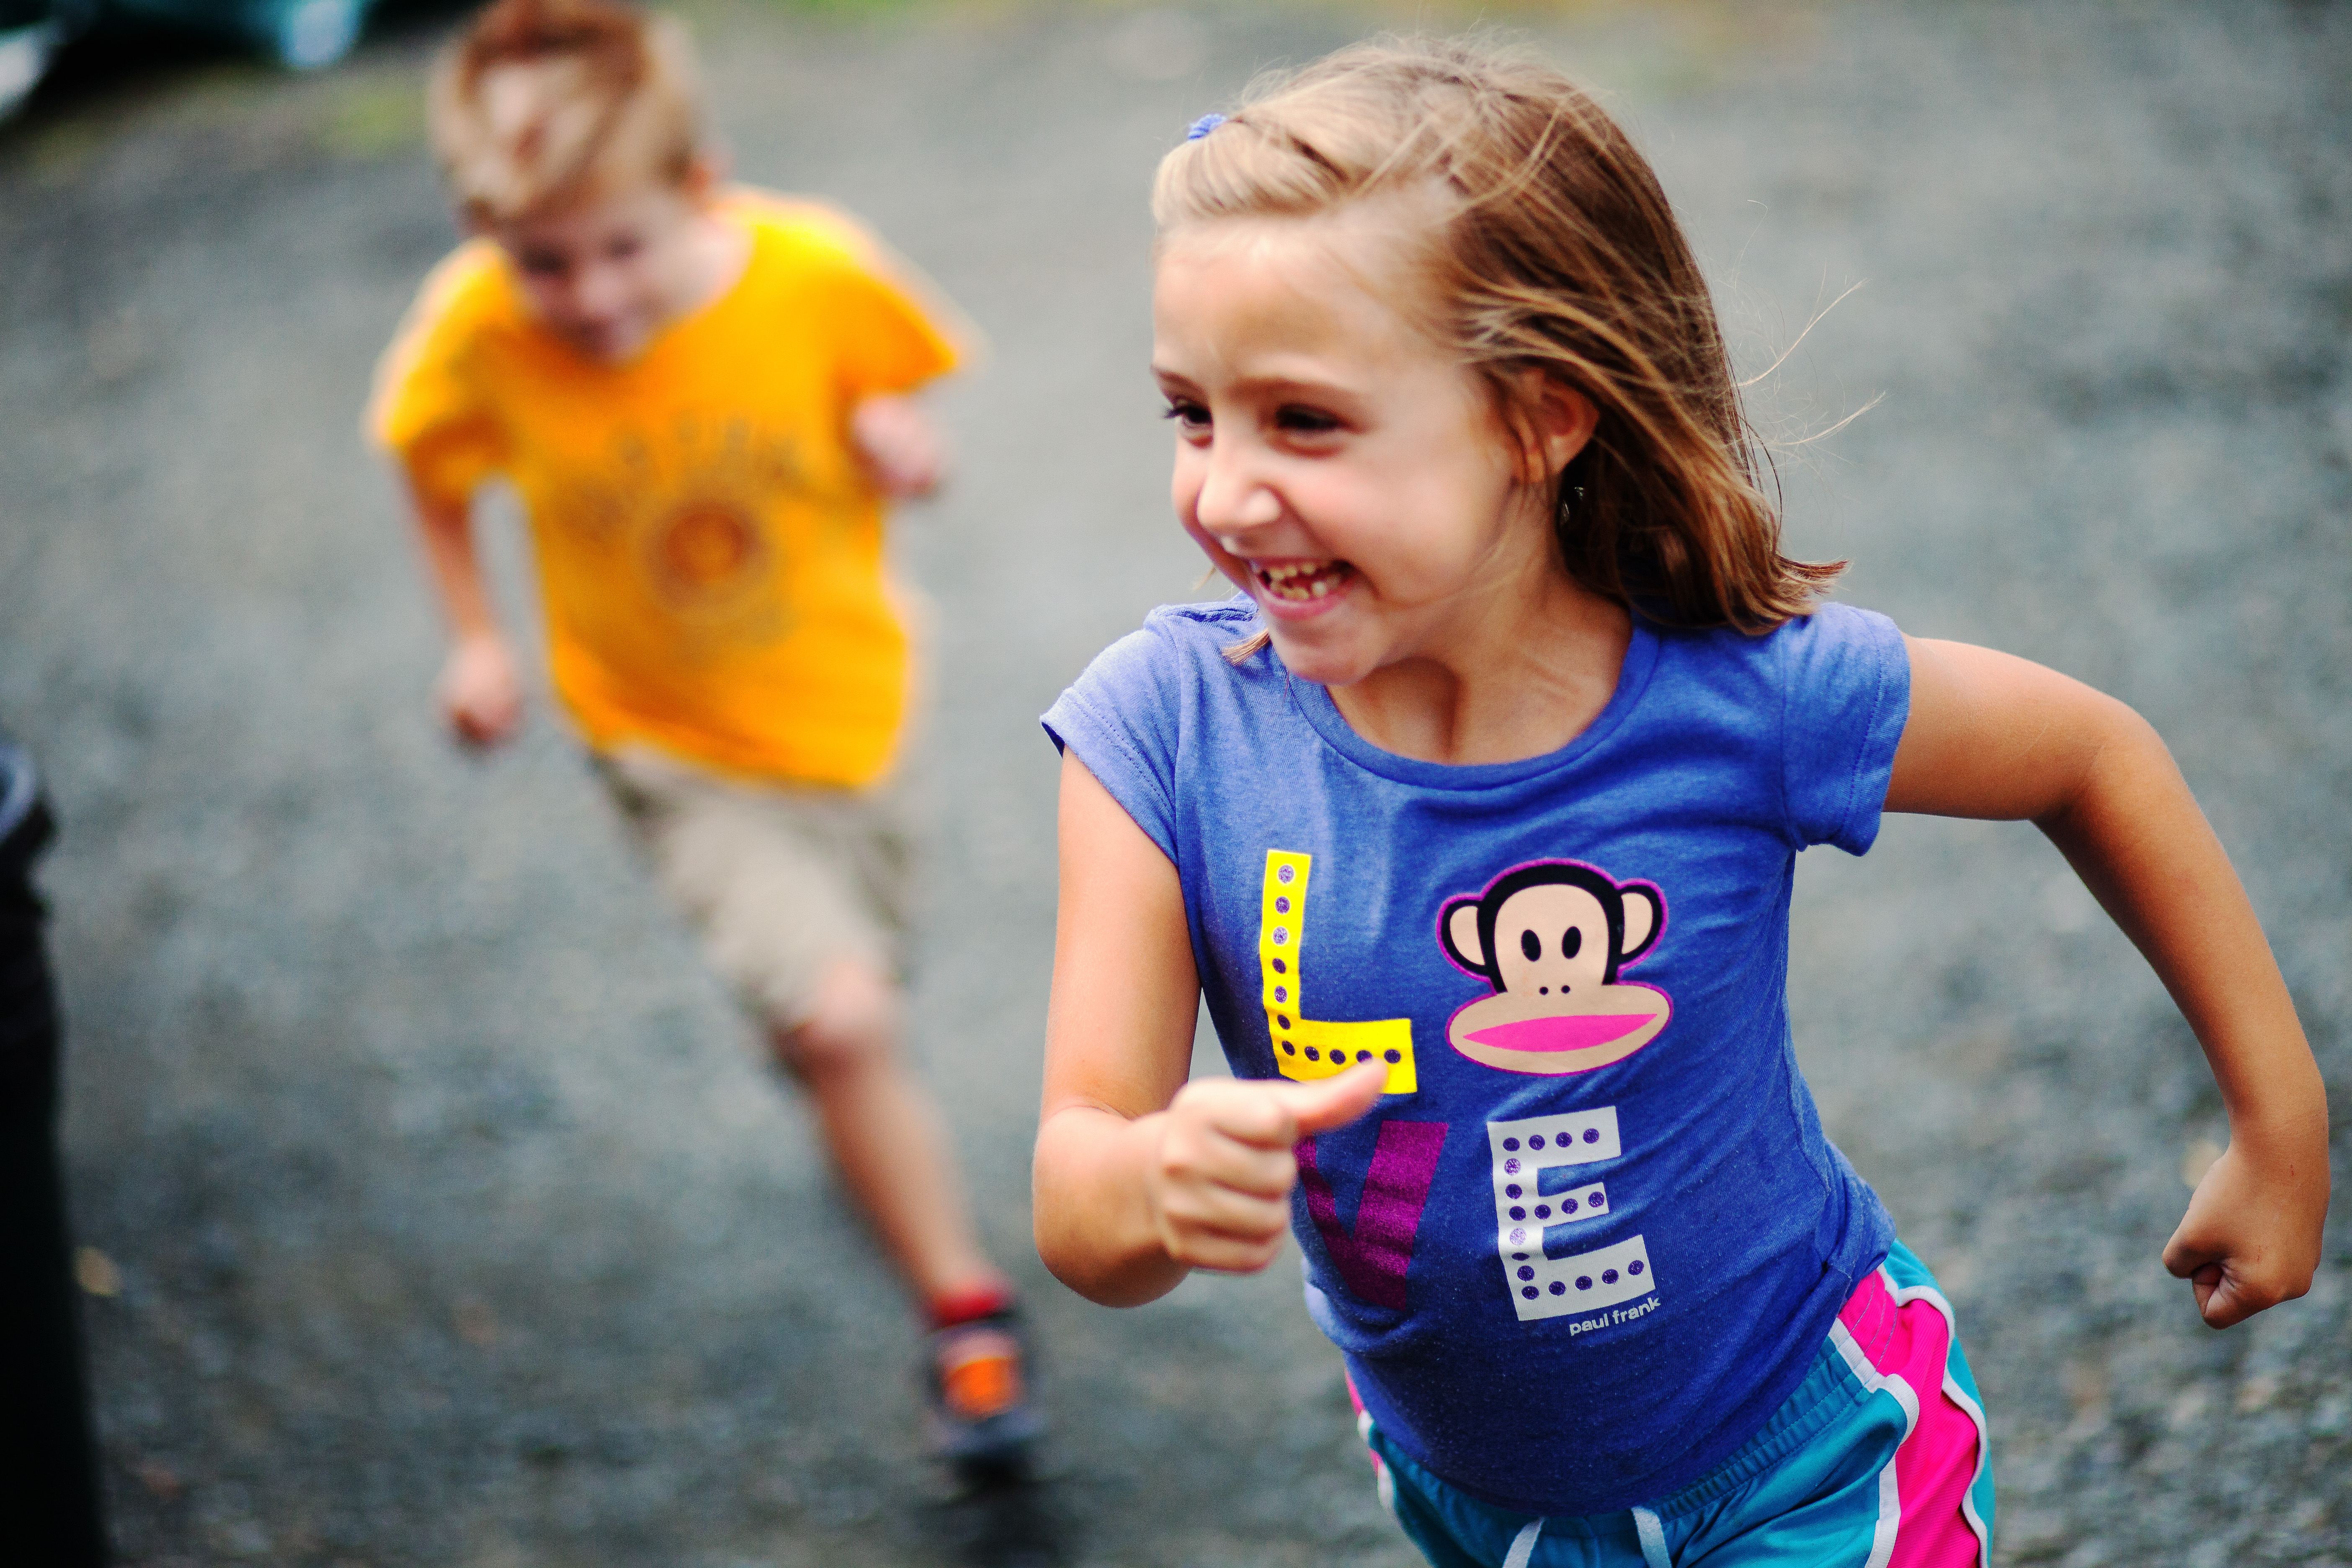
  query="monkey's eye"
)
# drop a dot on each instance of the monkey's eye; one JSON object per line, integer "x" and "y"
{"x": 1571, "y": 943}
{"x": 1530, "y": 945}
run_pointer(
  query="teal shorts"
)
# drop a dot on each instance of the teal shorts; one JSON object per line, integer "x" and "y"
{"x": 1879, "y": 1459}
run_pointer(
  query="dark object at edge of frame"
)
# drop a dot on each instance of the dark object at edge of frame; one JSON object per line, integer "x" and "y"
{"x": 49, "y": 1491}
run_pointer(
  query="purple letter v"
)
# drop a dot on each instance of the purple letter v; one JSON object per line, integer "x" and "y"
{"x": 1373, "y": 1259}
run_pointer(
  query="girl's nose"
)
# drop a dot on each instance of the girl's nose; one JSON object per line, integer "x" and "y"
{"x": 1234, "y": 496}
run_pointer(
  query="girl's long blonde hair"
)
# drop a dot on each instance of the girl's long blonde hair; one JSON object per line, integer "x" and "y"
{"x": 1555, "y": 252}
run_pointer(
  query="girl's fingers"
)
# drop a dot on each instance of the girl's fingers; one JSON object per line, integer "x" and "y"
{"x": 1211, "y": 1230}
{"x": 1199, "y": 1146}
{"x": 1222, "y": 1185}
{"x": 2223, "y": 1299}
{"x": 1274, "y": 1115}
{"x": 2242, "y": 1246}
{"x": 1217, "y": 1163}
{"x": 1223, "y": 1254}
{"x": 2207, "y": 1284}
{"x": 1224, "y": 1212}
{"x": 1334, "y": 1103}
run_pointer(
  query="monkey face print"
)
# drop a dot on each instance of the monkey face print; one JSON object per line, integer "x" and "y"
{"x": 1550, "y": 937}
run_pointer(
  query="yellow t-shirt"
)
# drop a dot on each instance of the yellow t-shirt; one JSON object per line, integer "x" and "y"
{"x": 710, "y": 549}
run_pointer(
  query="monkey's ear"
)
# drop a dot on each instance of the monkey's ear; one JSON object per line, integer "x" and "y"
{"x": 1458, "y": 929}
{"x": 1644, "y": 914}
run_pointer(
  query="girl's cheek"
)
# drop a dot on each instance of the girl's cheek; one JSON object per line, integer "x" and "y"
{"x": 1184, "y": 489}
{"x": 1201, "y": 537}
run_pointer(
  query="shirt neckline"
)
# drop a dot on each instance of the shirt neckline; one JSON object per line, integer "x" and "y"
{"x": 1315, "y": 705}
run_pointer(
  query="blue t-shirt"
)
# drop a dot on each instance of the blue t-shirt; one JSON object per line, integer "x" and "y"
{"x": 1593, "y": 1235}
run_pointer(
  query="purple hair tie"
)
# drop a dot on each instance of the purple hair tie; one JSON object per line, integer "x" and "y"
{"x": 1203, "y": 126}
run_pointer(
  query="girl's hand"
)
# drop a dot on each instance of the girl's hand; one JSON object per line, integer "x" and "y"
{"x": 1218, "y": 1186}
{"x": 479, "y": 693}
{"x": 900, "y": 445}
{"x": 2250, "y": 1237}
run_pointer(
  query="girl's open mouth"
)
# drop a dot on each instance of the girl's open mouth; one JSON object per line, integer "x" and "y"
{"x": 1303, "y": 582}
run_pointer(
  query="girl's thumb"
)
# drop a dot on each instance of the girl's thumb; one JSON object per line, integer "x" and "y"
{"x": 1335, "y": 1101}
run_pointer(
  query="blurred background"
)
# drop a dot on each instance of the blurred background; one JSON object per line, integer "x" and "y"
{"x": 434, "y": 1207}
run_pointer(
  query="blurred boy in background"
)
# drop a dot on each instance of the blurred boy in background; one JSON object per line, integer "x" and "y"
{"x": 701, "y": 394}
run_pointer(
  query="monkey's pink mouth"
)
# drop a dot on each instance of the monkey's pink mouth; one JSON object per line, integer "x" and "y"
{"x": 1571, "y": 1032}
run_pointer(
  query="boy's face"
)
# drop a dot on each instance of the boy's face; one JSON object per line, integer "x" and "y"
{"x": 608, "y": 274}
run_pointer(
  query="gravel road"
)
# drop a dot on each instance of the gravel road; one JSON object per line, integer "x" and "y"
{"x": 453, "y": 1220}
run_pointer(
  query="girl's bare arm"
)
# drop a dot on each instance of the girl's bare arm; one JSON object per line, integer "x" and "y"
{"x": 1141, "y": 1178}
{"x": 1994, "y": 736}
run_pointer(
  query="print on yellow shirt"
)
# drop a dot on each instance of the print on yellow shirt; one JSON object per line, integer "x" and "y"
{"x": 690, "y": 516}
{"x": 710, "y": 550}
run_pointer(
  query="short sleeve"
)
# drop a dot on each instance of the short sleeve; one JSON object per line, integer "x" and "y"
{"x": 886, "y": 341}
{"x": 1846, "y": 693}
{"x": 1122, "y": 719}
{"x": 427, "y": 410}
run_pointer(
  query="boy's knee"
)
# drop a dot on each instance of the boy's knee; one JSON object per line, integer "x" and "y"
{"x": 852, "y": 1026}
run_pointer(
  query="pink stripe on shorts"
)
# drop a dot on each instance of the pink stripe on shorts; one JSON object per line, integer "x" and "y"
{"x": 1898, "y": 1339}
{"x": 1879, "y": 1459}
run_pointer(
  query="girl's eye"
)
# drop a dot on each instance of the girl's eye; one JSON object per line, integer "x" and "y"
{"x": 1305, "y": 421}
{"x": 541, "y": 265}
{"x": 1188, "y": 415}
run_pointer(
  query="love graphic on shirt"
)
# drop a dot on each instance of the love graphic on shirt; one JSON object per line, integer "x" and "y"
{"x": 1306, "y": 1047}
{"x": 1550, "y": 936}
{"x": 1374, "y": 1255}
{"x": 1539, "y": 1218}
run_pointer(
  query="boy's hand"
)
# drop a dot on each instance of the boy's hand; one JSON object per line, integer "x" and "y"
{"x": 479, "y": 694}
{"x": 895, "y": 438}
{"x": 1220, "y": 1185}
{"x": 2251, "y": 1238}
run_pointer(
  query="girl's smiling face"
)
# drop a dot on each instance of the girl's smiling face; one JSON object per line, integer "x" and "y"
{"x": 1345, "y": 469}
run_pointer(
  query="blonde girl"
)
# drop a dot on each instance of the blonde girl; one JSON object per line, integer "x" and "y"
{"x": 1475, "y": 817}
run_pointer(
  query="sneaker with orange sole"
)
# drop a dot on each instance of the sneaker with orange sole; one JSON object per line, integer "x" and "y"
{"x": 977, "y": 1398}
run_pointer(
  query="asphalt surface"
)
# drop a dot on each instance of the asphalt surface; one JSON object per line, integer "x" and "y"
{"x": 449, "y": 1216}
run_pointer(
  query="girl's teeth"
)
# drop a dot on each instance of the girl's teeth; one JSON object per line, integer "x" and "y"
{"x": 1301, "y": 582}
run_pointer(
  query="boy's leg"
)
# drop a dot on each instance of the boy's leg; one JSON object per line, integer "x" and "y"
{"x": 886, "y": 1132}
{"x": 892, "y": 1147}
{"x": 799, "y": 898}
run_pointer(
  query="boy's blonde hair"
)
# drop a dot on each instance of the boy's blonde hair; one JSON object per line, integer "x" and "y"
{"x": 1555, "y": 251}
{"x": 545, "y": 104}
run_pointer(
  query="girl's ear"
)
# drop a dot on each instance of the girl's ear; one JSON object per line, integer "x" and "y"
{"x": 1555, "y": 422}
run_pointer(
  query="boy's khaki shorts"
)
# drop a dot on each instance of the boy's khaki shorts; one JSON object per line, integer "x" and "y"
{"x": 778, "y": 880}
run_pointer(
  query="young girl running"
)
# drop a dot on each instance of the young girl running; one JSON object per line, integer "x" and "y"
{"x": 1476, "y": 822}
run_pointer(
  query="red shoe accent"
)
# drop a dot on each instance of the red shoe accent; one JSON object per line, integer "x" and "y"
{"x": 969, "y": 1306}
